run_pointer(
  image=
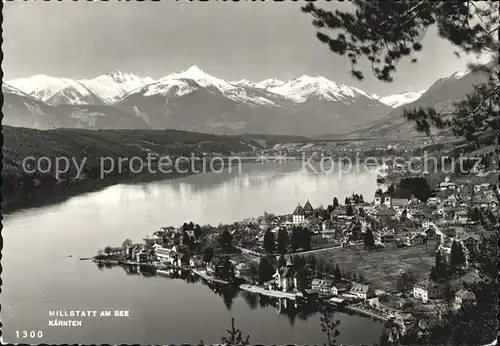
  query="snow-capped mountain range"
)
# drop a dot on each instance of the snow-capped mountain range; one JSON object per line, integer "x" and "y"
{"x": 112, "y": 87}
{"x": 107, "y": 88}
{"x": 194, "y": 100}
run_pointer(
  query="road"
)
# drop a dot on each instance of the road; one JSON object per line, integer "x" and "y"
{"x": 257, "y": 254}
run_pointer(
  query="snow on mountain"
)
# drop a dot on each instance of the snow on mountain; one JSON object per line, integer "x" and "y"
{"x": 398, "y": 100}
{"x": 113, "y": 86}
{"x": 203, "y": 79}
{"x": 169, "y": 87}
{"x": 43, "y": 87}
{"x": 101, "y": 90}
{"x": 269, "y": 83}
{"x": 176, "y": 84}
{"x": 300, "y": 89}
{"x": 13, "y": 90}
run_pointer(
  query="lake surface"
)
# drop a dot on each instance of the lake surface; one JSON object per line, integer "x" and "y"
{"x": 38, "y": 274}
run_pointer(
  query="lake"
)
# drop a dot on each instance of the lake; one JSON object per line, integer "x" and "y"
{"x": 39, "y": 276}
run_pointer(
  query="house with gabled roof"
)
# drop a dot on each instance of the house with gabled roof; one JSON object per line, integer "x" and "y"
{"x": 362, "y": 291}
{"x": 308, "y": 209}
{"x": 428, "y": 289}
{"x": 299, "y": 215}
{"x": 285, "y": 277}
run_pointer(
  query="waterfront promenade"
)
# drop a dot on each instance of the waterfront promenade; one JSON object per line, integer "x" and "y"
{"x": 270, "y": 293}
{"x": 204, "y": 275}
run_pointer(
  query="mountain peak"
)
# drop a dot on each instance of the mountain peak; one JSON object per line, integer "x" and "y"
{"x": 120, "y": 77}
{"x": 194, "y": 71}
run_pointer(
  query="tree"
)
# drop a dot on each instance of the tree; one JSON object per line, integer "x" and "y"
{"x": 197, "y": 231}
{"x": 302, "y": 279}
{"x": 226, "y": 241}
{"x": 208, "y": 254}
{"x": 177, "y": 238}
{"x": 311, "y": 261}
{"x": 442, "y": 269}
{"x": 126, "y": 243}
{"x": 281, "y": 261}
{"x": 282, "y": 241}
{"x": 337, "y": 274}
{"x": 361, "y": 199}
{"x": 253, "y": 270}
{"x": 329, "y": 326}
{"x": 235, "y": 337}
{"x": 330, "y": 208}
{"x": 404, "y": 215}
{"x": 369, "y": 240}
{"x": 386, "y": 33}
{"x": 347, "y": 201}
{"x": 266, "y": 270}
{"x": 320, "y": 267}
{"x": 390, "y": 190}
{"x": 457, "y": 256}
{"x": 306, "y": 240}
{"x": 107, "y": 250}
{"x": 295, "y": 239}
{"x": 269, "y": 245}
{"x": 355, "y": 198}
{"x": 418, "y": 186}
{"x": 335, "y": 203}
{"x": 298, "y": 262}
{"x": 406, "y": 281}
{"x": 186, "y": 239}
{"x": 227, "y": 270}
{"x": 349, "y": 210}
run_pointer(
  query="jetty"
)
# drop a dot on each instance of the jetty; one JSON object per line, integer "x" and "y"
{"x": 270, "y": 293}
{"x": 367, "y": 313}
{"x": 204, "y": 275}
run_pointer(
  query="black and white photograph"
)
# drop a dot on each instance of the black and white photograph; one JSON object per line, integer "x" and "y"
{"x": 250, "y": 172}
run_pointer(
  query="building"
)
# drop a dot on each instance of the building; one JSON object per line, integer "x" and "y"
{"x": 285, "y": 278}
{"x": 161, "y": 253}
{"x": 461, "y": 296}
{"x": 427, "y": 289}
{"x": 414, "y": 239}
{"x": 385, "y": 211}
{"x": 142, "y": 256}
{"x": 308, "y": 209}
{"x": 195, "y": 262}
{"x": 447, "y": 185}
{"x": 470, "y": 240}
{"x": 324, "y": 287}
{"x": 399, "y": 204}
{"x": 299, "y": 215}
{"x": 132, "y": 250}
{"x": 362, "y": 291}
{"x": 385, "y": 237}
{"x": 242, "y": 270}
{"x": 430, "y": 232}
{"x": 381, "y": 198}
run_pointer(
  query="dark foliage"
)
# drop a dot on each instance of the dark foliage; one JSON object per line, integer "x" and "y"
{"x": 387, "y": 32}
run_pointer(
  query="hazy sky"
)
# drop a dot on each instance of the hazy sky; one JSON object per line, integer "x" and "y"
{"x": 228, "y": 40}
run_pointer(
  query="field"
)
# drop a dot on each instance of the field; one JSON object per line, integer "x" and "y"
{"x": 381, "y": 268}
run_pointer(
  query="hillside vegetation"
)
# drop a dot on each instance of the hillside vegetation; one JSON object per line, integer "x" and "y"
{"x": 77, "y": 144}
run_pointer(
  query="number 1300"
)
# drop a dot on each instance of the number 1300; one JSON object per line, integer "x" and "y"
{"x": 29, "y": 334}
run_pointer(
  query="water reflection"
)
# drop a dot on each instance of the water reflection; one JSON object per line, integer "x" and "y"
{"x": 85, "y": 223}
{"x": 229, "y": 293}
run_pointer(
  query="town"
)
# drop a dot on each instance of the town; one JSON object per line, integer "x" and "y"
{"x": 402, "y": 257}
